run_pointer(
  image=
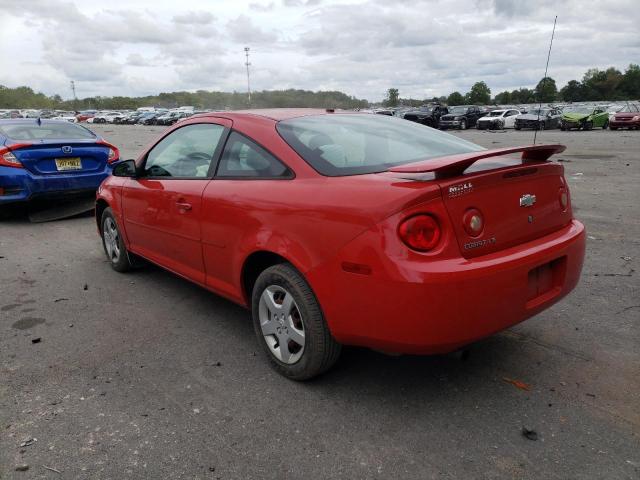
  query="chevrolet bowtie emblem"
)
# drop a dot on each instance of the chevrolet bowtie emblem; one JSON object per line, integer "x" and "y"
{"x": 527, "y": 200}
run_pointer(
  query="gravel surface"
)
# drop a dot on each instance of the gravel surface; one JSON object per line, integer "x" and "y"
{"x": 145, "y": 375}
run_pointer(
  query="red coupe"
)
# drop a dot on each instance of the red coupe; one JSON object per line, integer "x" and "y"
{"x": 348, "y": 229}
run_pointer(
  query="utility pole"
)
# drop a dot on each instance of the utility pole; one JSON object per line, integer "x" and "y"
{"x": 75, "y": 98}
{"x": 247, "y": 64}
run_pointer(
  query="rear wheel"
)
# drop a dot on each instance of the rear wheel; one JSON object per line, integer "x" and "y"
{"x": 113, "y": 243}
{"x": 541, "y": 126}
{"x": 606, "y": 124}
{"x": 290, "y": 325}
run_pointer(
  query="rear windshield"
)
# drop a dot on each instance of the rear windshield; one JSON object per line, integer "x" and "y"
{"x": 47, "y": 131}
{"x": 352, "y": 144}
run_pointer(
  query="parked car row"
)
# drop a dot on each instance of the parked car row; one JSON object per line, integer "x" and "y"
{"x": 567, "y": 117}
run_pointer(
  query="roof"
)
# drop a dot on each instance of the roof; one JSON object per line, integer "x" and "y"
{"x": 276, "y": 114}
{"x": 14, "y": 121}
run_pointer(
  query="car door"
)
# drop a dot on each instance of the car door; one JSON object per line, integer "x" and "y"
{"x": 599, "y": 118}
{"x": 162, "y": 208}
{"x": 510, "y": 118}
{"x": 248, "y": 182}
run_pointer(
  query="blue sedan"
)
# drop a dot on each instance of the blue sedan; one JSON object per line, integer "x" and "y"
{"x": 48, "y": 159}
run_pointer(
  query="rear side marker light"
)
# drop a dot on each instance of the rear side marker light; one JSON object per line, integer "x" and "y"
{"x": 420, "y": 232}
{"x": 358, "y": 268}
{"x": 473, "y": 222}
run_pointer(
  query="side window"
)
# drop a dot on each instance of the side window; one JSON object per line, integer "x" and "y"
{"x": 244, "y": 158}
{"x": 185, "y": 153}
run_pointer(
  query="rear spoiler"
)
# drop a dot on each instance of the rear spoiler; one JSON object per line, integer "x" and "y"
{"x": 454, "y": 165}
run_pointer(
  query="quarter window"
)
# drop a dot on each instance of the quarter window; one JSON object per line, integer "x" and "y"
{"x": 185, "y": 153}
{"x": 244, "y": 158}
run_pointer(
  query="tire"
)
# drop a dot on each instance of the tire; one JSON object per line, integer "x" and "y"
{"x": 113, "y": 243}
{"x": 541, "y": 126}
{"x": 516, "y": 127}
{"x": 606, "y": 125}
{"x": 463, "y": 124}
{"x": 310, "y": 348}
{"x": 588, "y": 126}
{"x": 612, "y": 128}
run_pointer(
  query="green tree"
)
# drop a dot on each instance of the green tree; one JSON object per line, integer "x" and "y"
{"x": 503, "y": 98}
{"x": 572, "y": 91}
{"x": 392, "y": 97}
{"x": 523, "y": 95}
{"x": 630, "y": 84}
{"x": 455, "y": 98}
{"x": 546, "y": 90}
{"x": 480, "y": 94}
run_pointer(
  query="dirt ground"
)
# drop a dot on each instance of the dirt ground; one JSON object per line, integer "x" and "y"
{"x": 145, "y": 375}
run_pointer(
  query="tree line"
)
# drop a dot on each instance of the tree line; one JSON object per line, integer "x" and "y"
{"x": 596, "y": 85}
{"x": 25, "y": 97}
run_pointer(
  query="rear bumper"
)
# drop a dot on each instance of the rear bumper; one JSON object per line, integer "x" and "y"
{"x": 20, "y": 185}
{"x": 441, "y": 305}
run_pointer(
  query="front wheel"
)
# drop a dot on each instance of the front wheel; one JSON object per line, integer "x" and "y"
{"x": 289, "y": 324}
{"x": 541, "y": 126}
{"x": 588, "y": 126}
{"x": 113, "y": 243}
{"x": 463, "y": 125}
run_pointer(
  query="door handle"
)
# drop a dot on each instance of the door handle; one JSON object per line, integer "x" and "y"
{"x": 184, "y": 206}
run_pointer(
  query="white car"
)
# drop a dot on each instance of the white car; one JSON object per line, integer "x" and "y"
{"x": 105, "y": 117}
{"x": 498, "y": 119}
{"x": 67, "y": 117}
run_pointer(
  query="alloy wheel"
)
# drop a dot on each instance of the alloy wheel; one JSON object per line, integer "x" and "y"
{"x": 111, "y": 239}
{"x": 281, "y": 324}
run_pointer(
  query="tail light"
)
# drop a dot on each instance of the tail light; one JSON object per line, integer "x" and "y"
{"x": 114, "y": 153}
{"x": 473, "y": 222}
{"x": 420, "y": 232}
{"x": 8, "y": 159}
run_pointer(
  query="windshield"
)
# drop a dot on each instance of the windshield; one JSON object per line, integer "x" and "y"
{"x": 538, "y": 111}
{"x": 351, "y": 144}
{"x": 457, "y": 110}
{"x": 497, "y": 113}
{"x": 626, "y": 109}
{"x": 47, "y": 131}
{"x": 585, "y": 110}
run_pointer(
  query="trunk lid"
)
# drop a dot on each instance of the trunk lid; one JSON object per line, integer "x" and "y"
{"x": 62, "y": 157}
{"x": 519, "y": 199}
{"x": 517, "y": 203}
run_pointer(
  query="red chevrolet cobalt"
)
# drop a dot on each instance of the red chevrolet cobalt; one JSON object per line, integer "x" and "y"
{"x": 348, "y": 229}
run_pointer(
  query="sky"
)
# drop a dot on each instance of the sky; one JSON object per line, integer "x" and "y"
{"x": 424, "y": 48}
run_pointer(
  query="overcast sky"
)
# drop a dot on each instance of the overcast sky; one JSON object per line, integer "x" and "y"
{"x": 422, "y": 47}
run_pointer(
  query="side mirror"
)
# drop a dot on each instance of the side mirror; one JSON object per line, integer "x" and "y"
{"x": 125, "y": 169}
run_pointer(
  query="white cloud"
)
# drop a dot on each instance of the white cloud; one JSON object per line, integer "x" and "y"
{"x": 362, "y": 47}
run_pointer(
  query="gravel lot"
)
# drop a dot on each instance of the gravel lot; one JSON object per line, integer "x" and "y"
{"x": 145, "y": 375}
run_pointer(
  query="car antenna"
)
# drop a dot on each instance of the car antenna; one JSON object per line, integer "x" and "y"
{"x": 544, "y": 80}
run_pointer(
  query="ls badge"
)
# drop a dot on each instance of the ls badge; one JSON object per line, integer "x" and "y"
{"x": 527, "y": 200}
